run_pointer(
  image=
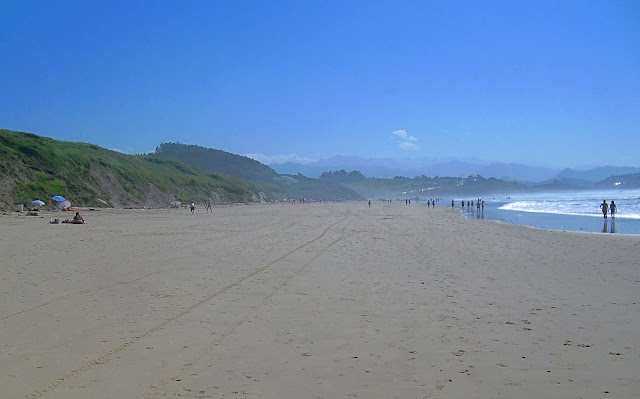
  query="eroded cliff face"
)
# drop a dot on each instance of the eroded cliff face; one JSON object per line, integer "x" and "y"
{"x": 260, "y": 197}
{"x": 103, "y": 185}
{"x": 217, "y": 199}
{"x": 6, "y": 188}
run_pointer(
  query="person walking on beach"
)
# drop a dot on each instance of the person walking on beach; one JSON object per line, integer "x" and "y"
{"x": 369, "y": 203}
{"x": 209, "y": 208}
{"x": 605, "y": 208}
{"x": 193, "y": 207}
{"x": 451, "y": 204}
{"x": 612, "y": 209}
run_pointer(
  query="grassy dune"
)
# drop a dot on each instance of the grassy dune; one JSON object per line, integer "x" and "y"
{"x": 36, "y": 167}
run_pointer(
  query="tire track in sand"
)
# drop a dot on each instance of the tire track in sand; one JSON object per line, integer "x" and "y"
{"x": 160, "y": 388}
{"x": 79, "y": 293}
{"x": 106, "y": 356}
{"x": 106, "y": 287}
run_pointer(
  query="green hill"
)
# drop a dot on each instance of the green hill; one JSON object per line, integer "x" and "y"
{"x": 246, "y": 168}
{"x": 596, "y": 174}
{"x": 428, "y": 187}
{"x": 628, "y": 181}
{"x": 35, "y": 167}
{"x": 473, "y": 185}
{"x": 217, "y": 161}
{"x": 300, "y": 186}
{"x": 341, "y": 176}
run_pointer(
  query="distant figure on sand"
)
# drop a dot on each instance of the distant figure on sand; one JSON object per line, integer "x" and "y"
{"x": 209, "y": 206}
{"x": 612, "y": 209}
{"x": 369, "y": 203}
{"x": 77, "y": 219}
{"x": 193, "y": 207}
{"x": 452, "y": 204}
{"x": 605, "y": 208}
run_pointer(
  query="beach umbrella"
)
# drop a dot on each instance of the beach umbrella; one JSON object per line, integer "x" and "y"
{"x": 176, "y": 203}
{"x": 36, "y": 203}
{"x": 63, "y": 205}
{"x": 58, "y": 198}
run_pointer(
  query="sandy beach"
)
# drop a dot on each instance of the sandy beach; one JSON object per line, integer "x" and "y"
{"x": 314, "y": 301}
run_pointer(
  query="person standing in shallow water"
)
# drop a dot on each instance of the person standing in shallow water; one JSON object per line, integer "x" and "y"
{"x": 612, "y": 209}
{"x": 605, "y": 208}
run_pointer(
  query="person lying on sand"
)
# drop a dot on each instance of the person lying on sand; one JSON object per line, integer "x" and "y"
{"x": 77, "y": 219}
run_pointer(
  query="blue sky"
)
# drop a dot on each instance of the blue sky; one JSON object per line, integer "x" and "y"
{"x": 539, "y": 82}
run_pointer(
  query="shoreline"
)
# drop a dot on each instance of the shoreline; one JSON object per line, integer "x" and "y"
{"x": 315, "y": 300}
{"x": 545, "y": 228}
{"x": 559, "y": 222}
{"x": 567, "y": 211}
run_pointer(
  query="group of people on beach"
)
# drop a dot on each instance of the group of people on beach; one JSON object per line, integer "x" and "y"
{"x": 208, "y": 208}
{"x": 432, "y": 202}
{"x": 478, "y": 203}
{"x": 606, "y": 208}
{"x": 294, "y": 201}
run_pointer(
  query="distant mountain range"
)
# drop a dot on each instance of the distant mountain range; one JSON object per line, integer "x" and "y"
{"x": 595, "y": 174}
{"x": 389, "y": 168}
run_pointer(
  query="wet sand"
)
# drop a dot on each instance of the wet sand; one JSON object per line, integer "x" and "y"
{"x": 315, "y": 301}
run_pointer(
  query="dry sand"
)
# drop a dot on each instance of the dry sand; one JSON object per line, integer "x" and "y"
{"x": 315, "y": 301}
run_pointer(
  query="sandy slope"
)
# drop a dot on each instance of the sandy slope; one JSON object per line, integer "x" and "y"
{"x": 315, "y": 301}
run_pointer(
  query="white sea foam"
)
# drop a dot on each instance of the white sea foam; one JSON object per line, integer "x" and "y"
{"x": 578, "y": 203}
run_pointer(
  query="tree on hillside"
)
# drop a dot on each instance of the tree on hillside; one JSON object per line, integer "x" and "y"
{"x": 342, "y": 176}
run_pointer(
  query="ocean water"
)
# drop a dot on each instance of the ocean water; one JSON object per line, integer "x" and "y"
{"x": 569, "y": 211}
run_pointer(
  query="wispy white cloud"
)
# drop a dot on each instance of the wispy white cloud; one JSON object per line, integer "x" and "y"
{"x": 406, "y": 142}
{"x": 279, "y": 159}
{"x": 400, "y": 133}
